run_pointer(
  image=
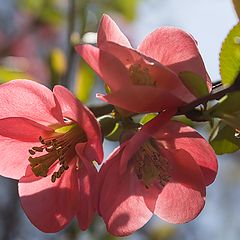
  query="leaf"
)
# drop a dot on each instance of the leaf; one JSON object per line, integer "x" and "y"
{"x": 7, "y": 74}
{"x": 107, "y": 123}
{"x": 228, "y": 109}
{"x": 225, "y": 139}
{"x": 228, "y": 104}
{"x": 116, "y": 133}
{"x": 230, "y": 56}
{"x": 126, "y": 8}
{"x": 236, "y": 4}
{"x": 183, "y": 119}
{"x": 194, "y": 83}
{"x": 146, "y": 118}
{"x": 47, "y": 11}
{"x": 58, "y": 61}
{"x": 84, "y": 81}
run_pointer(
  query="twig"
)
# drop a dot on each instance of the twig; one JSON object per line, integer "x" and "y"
{"x": 212, "y": 96}
{"x": 70, "y": 56}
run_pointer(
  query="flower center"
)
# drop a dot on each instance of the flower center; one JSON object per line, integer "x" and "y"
{"x": 58, "y": 147}
{"x": 140, "y": 76}
{"x": 150, "y": 166}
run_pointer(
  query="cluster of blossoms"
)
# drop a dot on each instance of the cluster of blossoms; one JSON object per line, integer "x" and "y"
{"x": 50, "y": 141}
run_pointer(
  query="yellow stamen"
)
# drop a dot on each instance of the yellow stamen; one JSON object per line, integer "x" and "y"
{"x": 150, "y": 166}
{"x": 59, "y": 148}
{"x": 140, "y": 76}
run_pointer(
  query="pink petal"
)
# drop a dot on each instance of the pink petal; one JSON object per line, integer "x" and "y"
{"x": 28, "y": 99}
{"x": 73, "y": 109}
{"x": 108, "y": 67}
{"x": 49, "y": 206}
{"x": 182, "y": 199}
{"x": 176, "y": 49}
{"x": 141, "y": 99}
{"x": 175, "y": 135}
{"x": 126, "y": 211}
{"x": 17, "y": 136}
{"x": 164, "y": 78}
{"x": 86, "y": 180}
{"x": 109, "y": 31}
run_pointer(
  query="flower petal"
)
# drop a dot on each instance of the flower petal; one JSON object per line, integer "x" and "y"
{"x": 131, "y": 146}
{"x": 109, "y": 31}
{"x": 105, "y": 65}
{"x": 182, "y": 199}
{"x": 176, "y": 49}
{"x": 17, "y": 135}
{"x": 28, "y": 99}
{"x": 163, "y": 77}
{"x": 86, "y": 180}
{"x": 73, "y": 109}
{"x": 176, "y": 135}
{"x": 141, "y": 99}
{"x": 49, "y": 206}
{"x": 126, "y": 211}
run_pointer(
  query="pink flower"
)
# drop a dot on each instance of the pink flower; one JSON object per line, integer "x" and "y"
{"x": 165, "y": 174}
{"x": 140, "y": 80}
{"x": 48, "y": 141}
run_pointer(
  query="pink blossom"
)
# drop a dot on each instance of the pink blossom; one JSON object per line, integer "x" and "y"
{"x": 163, "y": 172}
{"x": 140, "y": 80}
{"x": 48, "y": 141}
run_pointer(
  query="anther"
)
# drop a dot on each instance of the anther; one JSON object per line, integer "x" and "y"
{"x": 53, "y": 178}
{"x": 41, "y": 140}
{"x": 65, "y": 166}
{"x": 32, "y": 152}
{"x": 38, "y": 149}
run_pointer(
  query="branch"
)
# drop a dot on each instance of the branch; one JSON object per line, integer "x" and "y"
{"x": 70, "y": 56}
{"x": 216, "y": 95}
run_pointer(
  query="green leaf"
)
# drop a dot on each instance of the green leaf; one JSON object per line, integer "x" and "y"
{"x": 7, "y": 74}
{"x": 58, "y": 61}
{"x": 194, "y": 83}
{"x": 228, "y": 104}
{"x": 224, "y": 139}
{"x": 127, "y": 8}
{"x": 230, "y": 56}
{"x": 107, "y": 123}
{"x": 146, "y": 118}
{"x": 116, "y": 133}
{"x": 183, "y": 119}
{"x": 236, "y": 4}
{"x": 228, "y": 109}
{"x": 84, "y": 82}
{"x": 48, "y": 11}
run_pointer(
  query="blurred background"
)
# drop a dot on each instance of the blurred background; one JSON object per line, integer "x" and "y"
{"x": 36, "y": 42}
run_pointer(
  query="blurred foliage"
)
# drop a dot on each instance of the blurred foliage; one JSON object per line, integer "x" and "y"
{"x": 85, "y": 79}
{"x": 228, "y": 109}
{"x": 7, "y": 74}
{"x": 58, "y": 61}
{"x": 236, "y": 4}
{"x": 230, "y": 56}
{"x": 162, "y": 233}
{"x": 125, "y": 8}
{"x": 224, "y": 139}
{"x": 194, "y": 83}
{"x": 47, "y": 11}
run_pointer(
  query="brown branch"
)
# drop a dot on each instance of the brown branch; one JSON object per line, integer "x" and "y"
{"x": 212, "y": 96}
{"x": 65, "y": 81}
